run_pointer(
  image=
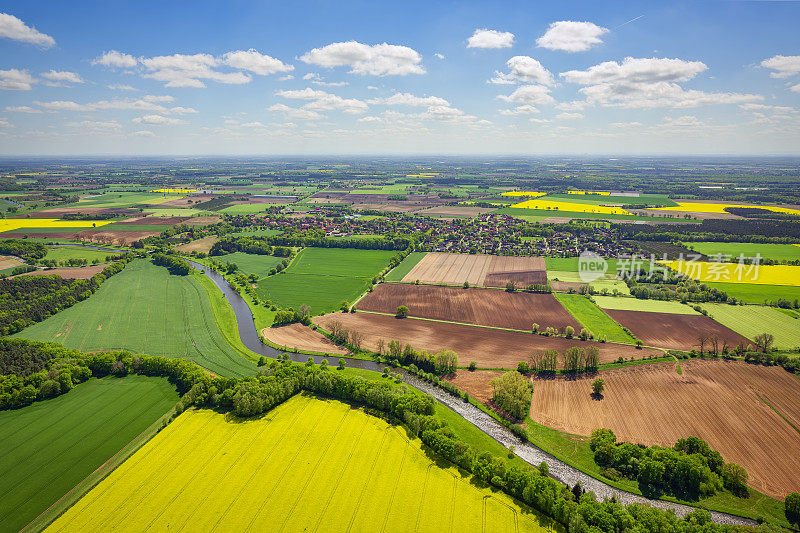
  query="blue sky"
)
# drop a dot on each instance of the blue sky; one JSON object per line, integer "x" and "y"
{"x": 414, "y": 77}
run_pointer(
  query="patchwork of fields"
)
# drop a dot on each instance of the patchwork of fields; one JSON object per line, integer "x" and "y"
{"x": 309, "y": 465}
{"x": 49, "y": 447}
{"x": 722, "y": 402}
{"x": 751, "y": 320}
{"x": 651, "y": 306}
{"x": 488, "y": 307}
{"x": 145, "y": 309}
{"x": 736, "y": 273}
{"x": 477, "y": 269}
{"x": 324, "y": 277}
{"x": 735, "y": 249}
{"x": 489, "y": 348}
{"x": 593, "y": 318}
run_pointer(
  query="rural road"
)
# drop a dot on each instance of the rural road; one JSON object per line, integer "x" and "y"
{"x": 526, "y": 451}
{"x": 558, "y": 469}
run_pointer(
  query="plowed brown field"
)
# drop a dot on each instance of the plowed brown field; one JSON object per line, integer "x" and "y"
{"x": 69, "y": 273}
{"x": 490, "y": 348}
{"x": 478, "y": 269}
{"x": 715, "y": 400}
{"x": 303, "y": 338}
{"x": 679, "y": 332}
{"x": 200, "y": 245}
{"x": 488, "y": 307}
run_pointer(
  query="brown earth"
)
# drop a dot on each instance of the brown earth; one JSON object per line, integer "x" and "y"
{"x": 59, "y": 212}
{"x": 715, "y": 400}
{"x": 35, "y": 235}
{"x": 160, "y": 221}
{"x": 201, "y": 221}
{"x": 476, "y": 382}
{"x": 9, "y": 262}
{"x": 679, "y": 332}
{"x": 565, "y": 286}
{"x": 478, "y": 269}
{"x": 189, "y": 201}
{"x": 303, "y": 338}
{"x": 487, "y": 307}
{"x": 69, "y": 273}
{"x": 489, "y": 348}
{"x": 115, "y": 237}
{"x": 200, "y": 245}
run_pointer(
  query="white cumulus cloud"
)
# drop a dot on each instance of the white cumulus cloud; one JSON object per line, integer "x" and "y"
{"x": 484, "y": 38}
{"x": 377, "y": 60}
{"x": 295, "y": 113}
{"x": 523, "y": 69}
{"x": 525, "y": 109}
{"x": 22, "y": 109}
{"x": 16, "y": 80}
{"x": 529, "y": 94}
{"x": 59, "y": 78}
{"x": 571, "y": 36}
{"x": 255, "y": 62}
{"x": 158, "y": 120}
{"x": 13, "y": 28}
{"x": 115, "y": 59}
{"x": 410, "y": 100}
{"x": 784, "y": 66}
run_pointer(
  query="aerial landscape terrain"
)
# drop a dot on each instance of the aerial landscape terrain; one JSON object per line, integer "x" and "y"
{"x": 301, "y": 293}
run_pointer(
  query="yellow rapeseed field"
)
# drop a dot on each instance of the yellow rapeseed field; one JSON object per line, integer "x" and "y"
{"x": 736, "y": 273}
{"x": 308, "y": 465}
{"x": 532, "y": 194}
{"x": 700, "y": 207}
{"x": 175, "y": 191}
{"x": 575, "y": 207}
{"x": 11, "y": 224}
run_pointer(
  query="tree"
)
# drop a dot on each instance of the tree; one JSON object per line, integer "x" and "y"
{"x": 402, "y": 311}
{"x": 381, "y": 346}
{"x": 598, "y": 385}
{"x": 446, "y": 362}
{"x": 764, "y": 341}
{"x": 569, "y": 331}
{"x": 466, "y": 284}
{"x": 356, "y": 339}
{"x": 511, "y": 286}
{"x": 513, "y": 393}
{"x": 592, "y": 358}
{"x": 792, "y": 507}
{"x": 735, "y": 478}
{"x": 395, "y": 349}
{"x": 535, "y": 328}
{"x": 523, "y": 367}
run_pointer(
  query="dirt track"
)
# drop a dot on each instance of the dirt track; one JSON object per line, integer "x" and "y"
{"x": 303, "y": 338}
{"x": 674, "y": 331}
{"x": 478, "y": 269}
{"x": 715, "y": 400}
{"x": 489, "y": 348}
{"x": 488, "y": 307}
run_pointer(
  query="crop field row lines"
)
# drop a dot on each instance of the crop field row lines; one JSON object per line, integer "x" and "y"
{"x": 88, "y": 450}
{"x": 94, "y": 425}
{"x": 135, "y": 462}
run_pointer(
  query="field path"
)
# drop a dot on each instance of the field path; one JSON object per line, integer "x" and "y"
{"x": 558, "y": 469}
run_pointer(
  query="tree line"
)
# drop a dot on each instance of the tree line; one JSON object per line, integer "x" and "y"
{"x": 690, "y": 470}
{"x": 175, "y": 265}
{"x": 27, "y": 250}
{"x": 278, "y": 381}
{"x": 26, "y": 300}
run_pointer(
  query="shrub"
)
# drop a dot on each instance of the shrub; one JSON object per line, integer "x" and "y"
{"x": 402, "y": 311}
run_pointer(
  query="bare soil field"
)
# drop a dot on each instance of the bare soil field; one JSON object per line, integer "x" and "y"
{"x": 111, "y": 237}
{"x": 476, "y": 383}
{"x": 160, "y": 221}
{"x": 478, "y": 269}
{"x": 201, "y": 221}
{"x": 565, "y": 286}
{"x": 487, "y": 307}
{"x": 674, "y": 331}
{"x": 263, "y": 200}
{"x": 303, "y": 338}
{"x": 9, "y": 262}
{"x": 396, "y": 207}
{"x": 489, "y": 348}
{"x": 69, "y": 273}
{"x": 189, "y": 201}
{"x": 57, "y": 212}
{"x": 200, "y": 245}
{"x": 715, "y": 400}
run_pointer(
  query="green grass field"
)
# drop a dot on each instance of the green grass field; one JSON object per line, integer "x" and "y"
{"x": 593, "y": 318}
{"x": 245, "y": 209}
{"x": 751, "y": 320}
{"x": 255, "y": 233}
{"x": 608, "y": 282}
{"x": 324, "y": 277}
{"x": 251, "y": 263}
{"x": 405, "y": 266}
{"x": 635, "y": 304}
{"x": 346, "y": 262}
{"x": 49, "y": 447}
{"x": 734, "y": 249}
{"x": 757, "y": 294}
{"x": 308, "y": 465}
{"x": 124, "y": 199}
{"x": 137, "y": 227}
{"x": 62, "y": 253}
{"x": 145, "y": 309}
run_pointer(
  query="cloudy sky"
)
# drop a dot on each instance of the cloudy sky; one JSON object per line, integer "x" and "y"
{"x": 349, "y": 77}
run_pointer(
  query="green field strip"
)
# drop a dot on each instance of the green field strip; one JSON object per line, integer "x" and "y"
{"x": 752, "y": 320}
{"x": 775, "y": 252}
{"x": 757, "y": 294}
{"x": 650, "y": 306}
{"x": 405, "y": 266}
{"x": 55, "y": 444}
{"x": 593, "y": 318}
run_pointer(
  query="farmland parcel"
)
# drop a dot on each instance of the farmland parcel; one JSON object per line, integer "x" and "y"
{"x": 309, "y": 465}
{"x": 146, "y": 309}
{"x": 722, "y": 402}
{"x": 50, "y": 446}
{"x": 477, "y": 269}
